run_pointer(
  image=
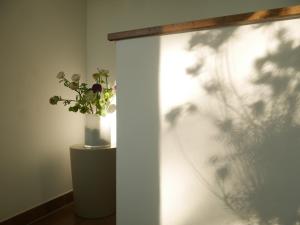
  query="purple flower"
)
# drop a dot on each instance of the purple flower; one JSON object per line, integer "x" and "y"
{"x": 97, "y": 88}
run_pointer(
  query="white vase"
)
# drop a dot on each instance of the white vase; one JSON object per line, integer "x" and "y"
{"x": 97, "y": 131}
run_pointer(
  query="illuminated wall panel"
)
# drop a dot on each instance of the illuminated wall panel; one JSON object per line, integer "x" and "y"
{"x": 209, "y": 127}
{"x": 230, "y": 132}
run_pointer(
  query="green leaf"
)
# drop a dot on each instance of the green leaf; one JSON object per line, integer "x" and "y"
{"x": 84, "y": 109}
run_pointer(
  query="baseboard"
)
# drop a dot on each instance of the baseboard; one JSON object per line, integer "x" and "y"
{"x": 40, "y": 211}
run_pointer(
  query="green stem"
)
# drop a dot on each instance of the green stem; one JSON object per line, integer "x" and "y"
{"x": 99, "y": 78}
{"x": 106, "y": 82}
{"x": 62, "y": 100}
{"x": 91, "y": 108}
{"x": 80, "y": 96}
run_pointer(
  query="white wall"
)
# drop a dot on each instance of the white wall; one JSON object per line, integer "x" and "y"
{"x": 138, "y": 132}
{"x": 38, "y": 39}
{"x": 133, "y": 159}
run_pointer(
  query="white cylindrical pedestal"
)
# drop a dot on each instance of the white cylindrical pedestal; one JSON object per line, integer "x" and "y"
{"x": 94, "y": 181}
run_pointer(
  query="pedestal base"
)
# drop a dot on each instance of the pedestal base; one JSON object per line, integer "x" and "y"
{"x": 94, "y": 181}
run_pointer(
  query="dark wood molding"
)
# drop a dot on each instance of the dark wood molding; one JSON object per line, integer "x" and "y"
{"x": 40, "y": 211}
{"x": 239, "y": 19}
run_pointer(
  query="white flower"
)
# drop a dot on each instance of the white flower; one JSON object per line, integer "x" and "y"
{"x": 60, "y": 75}
{"x": 74, "y": 85}
{"x": 75, "y": 77}
{"x": 104, "y": 72}
{"x": 111, "y": 108}
{"x": 90, "y": 95}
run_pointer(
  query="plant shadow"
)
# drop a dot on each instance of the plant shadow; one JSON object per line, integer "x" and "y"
{"x": 257, "y": 175}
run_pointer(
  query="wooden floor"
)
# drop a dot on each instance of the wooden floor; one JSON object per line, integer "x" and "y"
{"x": 66, "y": 216}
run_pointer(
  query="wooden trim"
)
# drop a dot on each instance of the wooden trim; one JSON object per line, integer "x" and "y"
{"x": 40, "y": 211}
{"x": 239, "y": 19}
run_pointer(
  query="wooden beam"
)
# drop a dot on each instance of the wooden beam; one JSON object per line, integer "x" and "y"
{"x": 232, "y": 20}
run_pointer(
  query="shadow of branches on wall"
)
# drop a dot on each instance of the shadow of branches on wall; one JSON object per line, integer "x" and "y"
{"x": 257, "y": 176}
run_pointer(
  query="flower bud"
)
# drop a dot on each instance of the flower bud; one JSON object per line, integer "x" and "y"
{"x": 53, "y": 100}
{"x": 60, "y": 75}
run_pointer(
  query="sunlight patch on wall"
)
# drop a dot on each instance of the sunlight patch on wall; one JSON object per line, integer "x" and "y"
{"x": 230, "y": 125}
{"x": 112, "y": 119}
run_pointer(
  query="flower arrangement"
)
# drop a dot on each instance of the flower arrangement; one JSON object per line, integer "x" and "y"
{"x": 91, "y": 100}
